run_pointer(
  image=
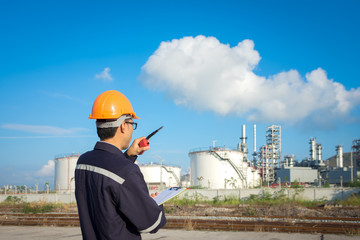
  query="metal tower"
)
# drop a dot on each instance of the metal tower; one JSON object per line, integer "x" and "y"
{"x": 273, "y": 140}
{"x": 355, "y": 154}
{"x": 269, "y": 155}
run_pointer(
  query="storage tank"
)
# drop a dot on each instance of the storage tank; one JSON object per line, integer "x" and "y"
{"x": 155, "y": 174}
{"x": 65, "y": 171}
{"x": 221, "y": 168}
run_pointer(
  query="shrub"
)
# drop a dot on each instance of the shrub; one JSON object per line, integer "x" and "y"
{"x": 40, "y": 207}
{"x": 13, "y": 200}
{"x": 354, "y": 184}
{"x": 353, "y": 200}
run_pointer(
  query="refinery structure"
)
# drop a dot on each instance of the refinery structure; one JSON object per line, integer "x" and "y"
{"x": 268, "y": 157}
{"x": 223, "y": 168}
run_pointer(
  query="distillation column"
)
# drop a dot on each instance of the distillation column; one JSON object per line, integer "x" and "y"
{"x": 312, "y": 149}
{"x": 270, "y": 154}
{"x": 339, "y": 157}
{"x": 254, "y": 154}
{"x": 243, "y": 144}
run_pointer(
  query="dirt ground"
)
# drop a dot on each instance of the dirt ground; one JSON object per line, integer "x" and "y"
{"x": 285, "y": 210}
{"x": 247, "y": 210}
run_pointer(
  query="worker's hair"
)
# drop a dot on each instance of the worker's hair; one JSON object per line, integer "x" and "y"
{"x": 106, "y": 133}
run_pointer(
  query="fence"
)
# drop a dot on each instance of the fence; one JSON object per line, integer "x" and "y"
{"x": 310, "y": 194}
{"x": 43, "y": 197}
{"x": 329, "y": 194}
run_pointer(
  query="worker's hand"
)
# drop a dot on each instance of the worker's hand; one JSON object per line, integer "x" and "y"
{"x": 135, "y": 149}
{"x": 154, "y": 194}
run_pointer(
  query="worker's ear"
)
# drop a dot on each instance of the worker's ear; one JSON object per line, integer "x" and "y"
{"x": 122, "y": 127}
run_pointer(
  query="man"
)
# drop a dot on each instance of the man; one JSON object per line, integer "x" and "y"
{"x": 112, "y": 197}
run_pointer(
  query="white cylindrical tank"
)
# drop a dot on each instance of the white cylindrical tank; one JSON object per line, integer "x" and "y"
{"x": 154, "y": 174}
{"x": 65, "y": 172}
{"x": 222, "y": 169}
{"x": 339, "y": 157}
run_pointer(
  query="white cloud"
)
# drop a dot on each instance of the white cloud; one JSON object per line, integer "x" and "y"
{"x": 204, "y": 74}
{"x": 47, "y": 170}
{"x": 38, "y": 129}
{"x": 104, "y": 75}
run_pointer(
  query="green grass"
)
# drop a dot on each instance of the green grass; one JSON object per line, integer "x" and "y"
{"x": 355, "y": 184}
{"x": 40, "y": 207}
{"x": 267, "y": 199}
{"x": 353, "y": 200}
{"x": 29, "y": 207}
{"x": 184, "y": 202}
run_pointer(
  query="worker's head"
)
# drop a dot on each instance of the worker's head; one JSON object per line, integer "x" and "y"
{"x": 113, "y": 112}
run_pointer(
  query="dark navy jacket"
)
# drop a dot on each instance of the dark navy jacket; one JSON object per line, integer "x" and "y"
{"x": 112, "y": 197}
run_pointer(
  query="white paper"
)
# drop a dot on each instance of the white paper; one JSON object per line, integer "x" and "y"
{"x": 168, "y": 194}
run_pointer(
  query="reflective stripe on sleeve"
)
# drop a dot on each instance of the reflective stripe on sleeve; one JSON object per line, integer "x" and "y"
{"x": 149, "y": 229}
{"x": 101, "y": 171}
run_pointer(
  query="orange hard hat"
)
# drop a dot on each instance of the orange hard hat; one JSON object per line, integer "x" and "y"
{"x": 111, "y": 105}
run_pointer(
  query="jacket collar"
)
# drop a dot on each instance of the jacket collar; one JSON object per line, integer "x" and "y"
{"x": 108, "y": 147}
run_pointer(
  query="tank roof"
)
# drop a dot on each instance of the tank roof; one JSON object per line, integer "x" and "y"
{"x": 66, "y": 155}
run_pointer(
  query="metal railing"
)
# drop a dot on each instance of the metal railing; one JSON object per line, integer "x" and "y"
{"x": 218, "y": 148}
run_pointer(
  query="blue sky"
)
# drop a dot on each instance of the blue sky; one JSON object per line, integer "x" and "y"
{"x": 200, "y": 68}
